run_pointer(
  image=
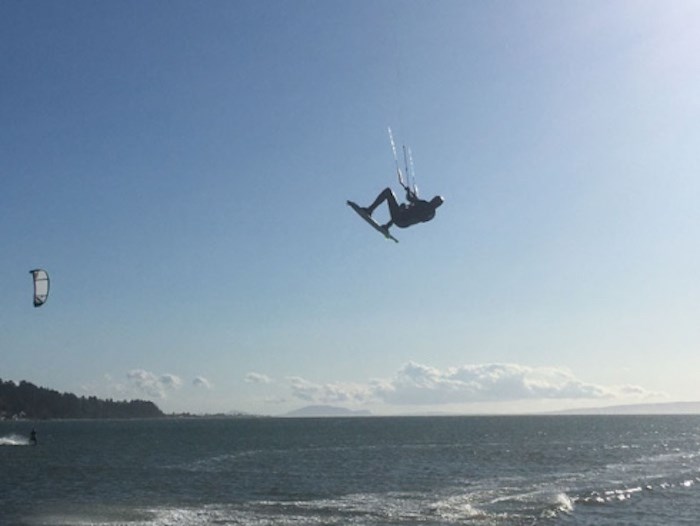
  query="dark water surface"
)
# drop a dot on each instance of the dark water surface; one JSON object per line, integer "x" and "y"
{"x": 576, "y": 470}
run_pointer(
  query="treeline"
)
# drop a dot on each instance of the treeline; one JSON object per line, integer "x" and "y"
{"x": 26, "y": 400}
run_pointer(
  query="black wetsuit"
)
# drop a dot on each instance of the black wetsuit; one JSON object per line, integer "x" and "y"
{"x": 404, "y": 215}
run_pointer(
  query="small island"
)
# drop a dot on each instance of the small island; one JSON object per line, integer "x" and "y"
{"x": 27, "y": 401}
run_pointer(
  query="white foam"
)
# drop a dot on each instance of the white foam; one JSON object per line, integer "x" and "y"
{"x": 564, "y": 503}
{"x": 14, "y": 440}
{"x": 105, "y": 516}
{"x": 457, "y": 508}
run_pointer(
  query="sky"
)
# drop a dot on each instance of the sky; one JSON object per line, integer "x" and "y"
{"x": 181, "y": 169}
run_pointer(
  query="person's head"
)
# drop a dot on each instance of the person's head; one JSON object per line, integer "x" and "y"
{"x": 437, "y": 201}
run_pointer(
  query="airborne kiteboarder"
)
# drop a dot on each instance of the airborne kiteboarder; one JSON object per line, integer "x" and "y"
{"x": 405, "y": 214}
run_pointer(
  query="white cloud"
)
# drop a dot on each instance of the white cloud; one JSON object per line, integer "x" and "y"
{"x": 200, "y": 381}
{"x": 170, "y": 381}
{"x": 151, "y": 385}
{"x": 329, "y": 393}
{"x": 417, "y": 384}
{"x": 420, "y": 384}
{"x": 638, "y": 392}
{"x": 257, "y": 378}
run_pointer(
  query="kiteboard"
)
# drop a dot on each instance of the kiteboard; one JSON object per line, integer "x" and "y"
{"x": 364, "y": 215}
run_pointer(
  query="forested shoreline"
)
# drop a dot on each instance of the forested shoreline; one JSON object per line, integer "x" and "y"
{"x": 26, "y": 400}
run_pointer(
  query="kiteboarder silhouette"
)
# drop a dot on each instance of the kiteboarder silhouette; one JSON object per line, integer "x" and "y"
{"x": 402, "y": 215}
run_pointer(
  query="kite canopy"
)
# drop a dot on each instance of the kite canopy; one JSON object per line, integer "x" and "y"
{"x": 41, "y": 286}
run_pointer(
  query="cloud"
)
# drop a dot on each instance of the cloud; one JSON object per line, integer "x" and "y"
{"x": 329, "y": 393}
{"x": 152, "y": 385}
{"x": 200, "y": 381}
{"x": 638, "y": 392}
{"x": 257, "y": 378}
{"x": 420, "y": 384}
{"x": 417, "y": 384}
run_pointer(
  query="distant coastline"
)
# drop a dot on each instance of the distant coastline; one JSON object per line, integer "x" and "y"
{"x": 27, "y": 401}
{"x": 667, "y": 408}
{"x": 322, "y": 411}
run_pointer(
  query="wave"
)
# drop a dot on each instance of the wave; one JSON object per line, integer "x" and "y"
{"x": 14, "y": 440}
{"x": 480, "y": 508}
{"x": 608, "y": 496}
{"x": 358, "y": 509}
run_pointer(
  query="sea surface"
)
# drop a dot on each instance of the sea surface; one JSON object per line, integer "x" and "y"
{"x": 570, "y": 470}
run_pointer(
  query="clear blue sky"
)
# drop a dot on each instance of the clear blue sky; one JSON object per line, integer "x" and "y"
{"x": 181, "y": 171}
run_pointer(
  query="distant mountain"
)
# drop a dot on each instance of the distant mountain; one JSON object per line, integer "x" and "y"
{"x": 315, "y": 411}
{"x": 669, "y": 408}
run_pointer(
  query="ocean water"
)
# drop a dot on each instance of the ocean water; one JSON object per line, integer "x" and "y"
{"x": 570, "y": 470}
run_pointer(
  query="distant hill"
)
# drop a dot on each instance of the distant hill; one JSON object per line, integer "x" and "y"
{"x": 26, "y": 400}
{"x": 669, "y": 408}
{"x": 314, "y": 411}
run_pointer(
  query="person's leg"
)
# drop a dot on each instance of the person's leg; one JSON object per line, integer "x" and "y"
{"x": 388, "y": 196}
